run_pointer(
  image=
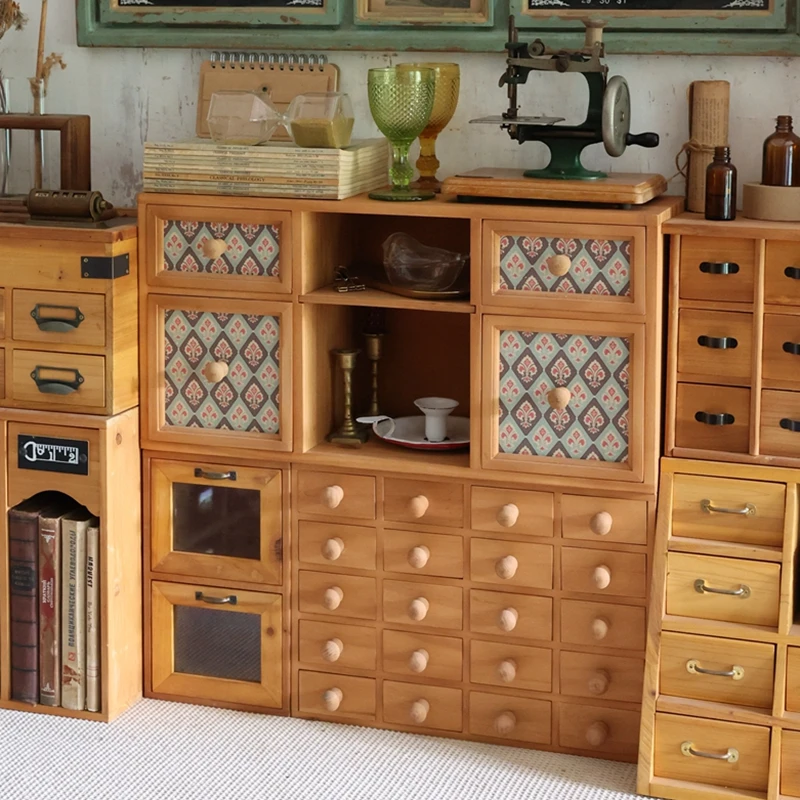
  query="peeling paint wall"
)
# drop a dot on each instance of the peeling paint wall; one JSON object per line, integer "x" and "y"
{"x": 134, "y": 95}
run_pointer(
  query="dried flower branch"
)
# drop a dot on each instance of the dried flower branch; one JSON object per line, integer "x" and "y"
{"x": 11, "y": 16}
{"x": 49, "y": 64}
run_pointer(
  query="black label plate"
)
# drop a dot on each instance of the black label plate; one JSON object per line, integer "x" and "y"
{"x": 53, "y": 455}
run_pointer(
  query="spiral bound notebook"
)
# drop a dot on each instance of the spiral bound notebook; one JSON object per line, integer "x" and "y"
{"x": 283, "y": 76}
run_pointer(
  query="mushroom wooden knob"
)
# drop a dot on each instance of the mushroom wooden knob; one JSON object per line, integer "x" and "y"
{"x": 418, "y": 506}
{"x": 505, "y": 722}
{"x": 418, "y": 556}
{"x": 506, "y": 567}
{"x": 332, "y": 598}
{"x": 418, "y": 609}
{"x": 507, "y": 620}
{"x": 559, "y": 397}
{"x": 507, "y": 670}
{"x": 215, "y": 371}
{"x": 419, "y": 711}
{"x": 332, "y": 496}
{"x": 559, "y": 265}
{"x": 332, "y": 548}
{"x": 600, "y": 524}
{"x": 332, "y": 649}
{"x": 597, "y": 733}
{"x": 599, "y": 682}
{"x": 332, "y": 699}
{"x": 600, "y": 626}
{"x": 508, "y": 515}
{"x": 214, "y": 248}
{"x": 418, "y": 660}
{"x": 601, "y": 577}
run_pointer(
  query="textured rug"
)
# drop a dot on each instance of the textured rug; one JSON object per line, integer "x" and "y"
{"x": 172, "y": 751}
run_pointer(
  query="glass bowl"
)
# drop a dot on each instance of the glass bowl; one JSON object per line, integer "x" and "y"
{"x": 242, "y": 118}
{"x": 320, "y": 119}
{"x": 412, "y": 265}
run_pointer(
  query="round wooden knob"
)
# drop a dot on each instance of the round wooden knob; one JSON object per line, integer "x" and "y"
{"x": 332, "y": 598}
{"x": 214, "y": 248}
{"x": 505, "y": 722}
{"x": 597, "y": 733}
{"x": 600, "y": 626}
{"x": 332, "y": 649}
{"x": 332, "y": 496}
{"x": 559, "y": 397}
{"x": 600, "y": 524}
{"x": 559, "y": 265}
{"x": 599, "y": 682}
{"x": 418, "y": 609}
{"x": 601, "y": 576}
{"x": 418, "y": 556}
{"x": 332, "y": 699}
{"x": 507, "y": 620}
{"x": 418, "y": 660}
{"x": 507, "y": 670}
{"x": 506, "y": 567}
{"x": 332, "y": 548}
{"x": 418, "y": 506}
{"x": 419, "y": 711}
{"x": 508, "y": 515}
{"x": 215, "y": 371}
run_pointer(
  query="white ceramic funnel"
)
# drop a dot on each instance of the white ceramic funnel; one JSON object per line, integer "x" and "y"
{"x": 436, "y": 411}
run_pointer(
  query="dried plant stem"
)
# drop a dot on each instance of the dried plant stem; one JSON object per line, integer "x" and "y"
{"x": 40, "y": 51}
{"x": 38, "y": 90}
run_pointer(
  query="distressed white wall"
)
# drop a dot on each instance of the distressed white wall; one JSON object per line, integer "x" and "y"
{"x": 134, "y": 95}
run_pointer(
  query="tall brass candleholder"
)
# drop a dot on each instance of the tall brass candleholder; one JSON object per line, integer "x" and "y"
{"x": 348, "y": 432}
{"x": 374, "y": 352}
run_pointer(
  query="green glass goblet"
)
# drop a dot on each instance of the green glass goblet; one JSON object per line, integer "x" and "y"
{"x": 401, "y": 102}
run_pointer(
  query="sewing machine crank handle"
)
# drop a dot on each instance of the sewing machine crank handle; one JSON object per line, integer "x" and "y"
{"x": 642, "y": 139}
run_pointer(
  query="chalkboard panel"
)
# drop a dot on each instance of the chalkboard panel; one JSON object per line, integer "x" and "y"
{"x": 650, "y": 5}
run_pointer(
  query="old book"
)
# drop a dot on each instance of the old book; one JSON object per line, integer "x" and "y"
{"x": 93, "y": 615}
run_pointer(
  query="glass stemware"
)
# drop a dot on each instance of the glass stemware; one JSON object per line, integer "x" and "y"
{"x": 401, "y": 101}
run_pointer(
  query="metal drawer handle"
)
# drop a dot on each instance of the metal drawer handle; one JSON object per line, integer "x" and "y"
{"x": 732, "y": 756}
{"x": 792, "y": 425}
{"x": 719, "y": 267}
{"x": 54, "y": 385}
{"x": 793, "y": 273}
{"x": 216, "y": 601}
{"x": 735, "y": 672}
{"x": 215, "y": 476}
{"x": 714, "y": 419}
{"x": 718, "y": 342}
{"x": 792, "y": 348}
{"x": 56, "y": 324}
{"x": 749, "y": 509}
{"x": 743, "y": 591}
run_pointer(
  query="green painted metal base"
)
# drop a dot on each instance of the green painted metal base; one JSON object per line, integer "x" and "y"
{"x": 565, "y": 163}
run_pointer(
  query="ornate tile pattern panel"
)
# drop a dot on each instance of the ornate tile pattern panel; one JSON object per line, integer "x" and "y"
{"x": 599, "y": 266}
{"x": 595, "y": 370}
{"x": 248, "y": 397}
{"x": 251, "y": 250}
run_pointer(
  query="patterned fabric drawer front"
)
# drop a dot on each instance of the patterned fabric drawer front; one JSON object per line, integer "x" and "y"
{"x": 593, "y": 374}
{"x": 247, "y": 398}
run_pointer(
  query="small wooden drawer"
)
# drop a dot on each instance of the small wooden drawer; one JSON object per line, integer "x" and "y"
{"x": 332, "y": 494}
{"x": 511, "y": 563}
{"x": 513, "y": 666}
{"x": 728, "y": 589}
{"x": 58, "y": 380}
{"x": 421, "y": 655}
{"x": 717, "y": 269}
{"x": 330, "y": 544}
{"x": 420, "y": 706}
{"x": 515, "y": 615}
{"x": 780, "y": 423}
{"x": 59, "y": 317}
{"x": 602, "y": 519}
{"x": 603, "y": 625}
{"x": 606, "y": 731}
{"x": 511, "y": 510}
{"x": 603, "y": 572}
{"x": 423, "y": 553}
{"x": 715, "y": 345}
{"x": 333, "y": 645}
{"x": 782, "y": 273}
{"x": 340, "y": 595}
{"x": 728, "y": 510}
{"x": 719, "y": 670}
{"x": 781, "y": 355}
{"x": 423, "y": 604}
{"x": 790, "y": 763}
{"x": 685, "y": 750}
{"x": 602, "y": 677}
{"x": 426, "y": 502}
{"x": 793, "y": 679}
{"x": 713, "y": 418}
{"x": 499, "y": 716}
{"x": 336, "y": 695}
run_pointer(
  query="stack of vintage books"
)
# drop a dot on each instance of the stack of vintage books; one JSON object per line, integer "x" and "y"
{"x": 270, "y": 170}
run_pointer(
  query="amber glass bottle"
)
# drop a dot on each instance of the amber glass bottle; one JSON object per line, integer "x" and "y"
{"x": 781, "y": 165}
{"x": 721, "y": 186}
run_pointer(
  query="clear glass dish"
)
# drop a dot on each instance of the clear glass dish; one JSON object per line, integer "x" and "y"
{"x": 320, "y": 119}
{"x": 412, "y": 265}
{"x": 242, "y": 118}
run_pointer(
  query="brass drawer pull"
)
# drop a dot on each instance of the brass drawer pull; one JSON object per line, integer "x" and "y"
{"x": 732, "y": 756}
{"x": 749, "y": 509}
{"x": 743, "y": 591}
{"x": 215, "y": 476}
{"x": 56, "y": 324}
{"x": 793, "y": 273}
{"x": 57, "y": 385}
{"x": 736, "y": 672}
{"x": 792, "y": 425}
{"x": 216, "y": 601}
{"x": 718, "y": 342}
{"x": 792, "y": 348}
{"x": 719, "y": 267}
{"x": 714, "y": 419}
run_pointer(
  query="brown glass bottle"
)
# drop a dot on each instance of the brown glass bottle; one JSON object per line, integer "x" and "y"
{"x": 721, "y": 186}
{"x": 781, "y": 163}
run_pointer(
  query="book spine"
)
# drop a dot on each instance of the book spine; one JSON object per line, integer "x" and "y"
{"x": 73, "y": 619}
{"x": 49, "y": 611}
{"x": 93, "y": 616}
{"x": 23, "y": 530}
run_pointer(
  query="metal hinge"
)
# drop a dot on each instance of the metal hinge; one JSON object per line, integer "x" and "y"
{"x": 105, "y": 267}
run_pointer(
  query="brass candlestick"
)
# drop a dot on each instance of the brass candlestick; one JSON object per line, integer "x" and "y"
{"x": 348, "y": 433}
{"x": 374, "y": 352}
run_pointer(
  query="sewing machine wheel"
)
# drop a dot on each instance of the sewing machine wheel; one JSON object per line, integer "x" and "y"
{"x": 616, "y": 115}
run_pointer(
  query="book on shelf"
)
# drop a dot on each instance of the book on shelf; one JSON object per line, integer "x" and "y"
{"x": 93, "y": 616}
